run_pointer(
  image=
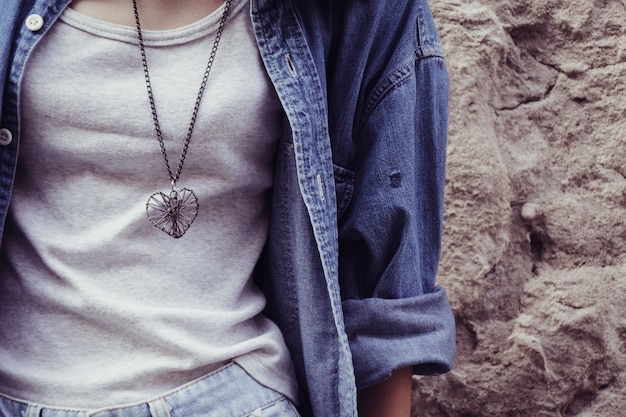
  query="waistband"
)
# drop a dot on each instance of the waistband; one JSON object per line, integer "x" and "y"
{"x": 227, "y": 391}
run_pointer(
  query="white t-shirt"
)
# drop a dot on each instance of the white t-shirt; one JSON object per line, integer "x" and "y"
{"x": 97, "y": 306}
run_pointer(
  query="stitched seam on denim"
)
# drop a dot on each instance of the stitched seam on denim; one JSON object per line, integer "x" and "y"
{"x": 427, "y": 40}
{"x": 263, "y": 406}
{"x": 129, "y": 405}
{"x": 343, "y": 176}
{"x": 31, "y": 404}
{"x": 293, "y": 408}
{"x": 429, "y": 50}
{"x": 33, "y": 411}
{"x": 388, "y": 84}
{"x": 187, "y": 385}
{"x": 159, "y": 408}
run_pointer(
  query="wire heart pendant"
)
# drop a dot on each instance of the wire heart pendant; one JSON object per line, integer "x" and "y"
{"x": 174, "y": 213}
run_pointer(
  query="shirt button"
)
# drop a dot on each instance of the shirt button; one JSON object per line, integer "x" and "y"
{"x": 5, "y": 137}
{"x": 34, "y": 22}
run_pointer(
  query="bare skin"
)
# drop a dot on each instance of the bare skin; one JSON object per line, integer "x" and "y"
{"x": 155, "y": 14}
{"x": 392, "y": 398}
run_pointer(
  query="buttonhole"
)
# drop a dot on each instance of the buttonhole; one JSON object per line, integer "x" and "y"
{"x": 291, "y": 65}
{"x": 320, "y": 187}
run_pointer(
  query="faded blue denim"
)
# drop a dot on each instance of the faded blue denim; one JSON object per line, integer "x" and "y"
{"x": 233, "y": 393}
{"x": 350, "y": 264}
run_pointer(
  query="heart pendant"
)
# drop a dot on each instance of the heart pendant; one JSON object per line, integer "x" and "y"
{"x": 174, "y": 213}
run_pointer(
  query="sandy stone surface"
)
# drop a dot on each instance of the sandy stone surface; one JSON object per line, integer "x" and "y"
{"x": 534, "y": 256}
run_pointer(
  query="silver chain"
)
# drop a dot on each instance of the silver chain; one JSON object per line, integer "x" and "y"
{"x": 196, "y": 107}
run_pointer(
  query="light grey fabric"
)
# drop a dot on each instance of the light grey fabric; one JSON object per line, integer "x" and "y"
{"x": 99, "y": 307}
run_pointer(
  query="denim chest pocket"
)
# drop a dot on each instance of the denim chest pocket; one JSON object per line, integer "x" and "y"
{"x": 344, "y": 188}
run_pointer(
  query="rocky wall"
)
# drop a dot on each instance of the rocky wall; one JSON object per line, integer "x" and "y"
{"x": 534, "y": 255}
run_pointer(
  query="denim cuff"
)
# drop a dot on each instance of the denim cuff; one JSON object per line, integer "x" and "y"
{"x": 389, "y": 334}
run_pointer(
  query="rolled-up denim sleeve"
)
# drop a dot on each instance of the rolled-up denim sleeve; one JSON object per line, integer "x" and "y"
{"x": 390, "y": 235}
{"x": 392, "y": 334}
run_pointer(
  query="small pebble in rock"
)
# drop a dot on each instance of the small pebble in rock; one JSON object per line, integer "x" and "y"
{"x": 530, "y": 211}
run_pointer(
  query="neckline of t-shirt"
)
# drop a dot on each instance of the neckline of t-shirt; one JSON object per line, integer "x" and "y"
{"x": 152, "y": 38}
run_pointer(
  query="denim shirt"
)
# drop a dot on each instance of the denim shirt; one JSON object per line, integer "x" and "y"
{"x": 355, "y": 235}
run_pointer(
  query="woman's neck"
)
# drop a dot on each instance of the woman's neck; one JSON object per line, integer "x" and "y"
{"x": 154, "y": 14}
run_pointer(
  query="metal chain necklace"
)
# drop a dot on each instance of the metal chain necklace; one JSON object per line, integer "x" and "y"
{"x": 174, "y": 212}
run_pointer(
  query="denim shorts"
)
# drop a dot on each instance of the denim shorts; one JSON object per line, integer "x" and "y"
{"x": 226, "y": 392}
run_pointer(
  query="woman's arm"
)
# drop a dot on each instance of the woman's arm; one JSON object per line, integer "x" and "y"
{"x": 390, "y": 398}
